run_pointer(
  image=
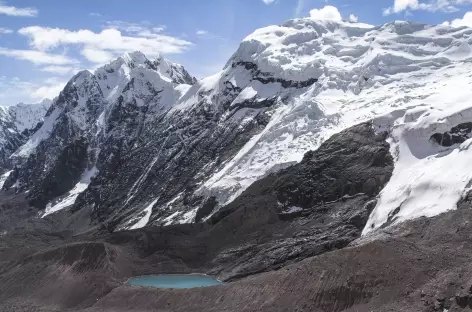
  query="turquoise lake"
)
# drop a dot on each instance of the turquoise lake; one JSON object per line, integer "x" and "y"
{"x": 175, "y": 281}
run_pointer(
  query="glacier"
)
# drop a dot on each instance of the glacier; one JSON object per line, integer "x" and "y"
{"x": 363, "y": 72}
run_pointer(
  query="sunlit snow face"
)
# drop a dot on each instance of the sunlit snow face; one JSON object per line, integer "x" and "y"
{"x": 363, "y": 73}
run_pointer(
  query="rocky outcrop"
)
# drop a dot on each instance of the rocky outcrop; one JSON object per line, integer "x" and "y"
{"x": 457, "y": 135}
{"x": 265, "y": 77}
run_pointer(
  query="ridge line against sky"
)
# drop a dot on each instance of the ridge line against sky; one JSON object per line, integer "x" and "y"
{"x": 42, "y": 44}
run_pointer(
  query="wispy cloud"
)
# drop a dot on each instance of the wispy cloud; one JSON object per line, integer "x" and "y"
{"x": 447, "y": 6}
{"x": 38, "y": 57}
{"x": 99, "y": 47}
{"x": 49, "y": 90}
{"x": 141, "y": 29}
{"x": 60, "y": 70}
{"x": 14, "y": 11}
{"x": 28, "y": 91}
{"x": 5, "y": 31}
{"x": 299, "y": 8}
{"x": 201, "y": 32}
{"x": 353, "y": 18}
{"x": 268, "y": 1}
{"x": 328, "y": 12}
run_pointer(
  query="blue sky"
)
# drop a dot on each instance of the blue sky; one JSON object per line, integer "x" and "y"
{"x": 43, "y": 43}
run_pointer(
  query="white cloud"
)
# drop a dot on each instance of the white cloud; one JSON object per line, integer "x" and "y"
{"x": 329, "y": 12}
{"x": 206, "y": 35}
{"x": 51, "y": 89}
{"x": 38, "y": 57}
{"x": 14, "y": 90}
{"x": 98, "y": 47}
{"x": 447, "y": 6}
{"x": 141, "y": 29}
{"x": 268, "y": 1}
{"x": 14, "y": 11}
{"x": 465, "y": 21}
{"x": 95, "y": 14}
{"x": 353, "y": 18}
{"x": 202, "y": 32}
{"x": 5, "y": 31}
{"x": 97, "y": 56}
{"x": 299, "y": 8}
{"x": 59, "y": 70}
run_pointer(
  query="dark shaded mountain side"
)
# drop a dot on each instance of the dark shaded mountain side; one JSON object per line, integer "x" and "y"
{"x": 171, "y": 157}
{"x": 255, "y": 234}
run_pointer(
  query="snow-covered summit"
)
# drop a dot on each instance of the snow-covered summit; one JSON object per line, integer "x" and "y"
{"x": 17, "y": 123}
{"x": 89, "y": 97}
{"x": 329, "y": 75}
{"x": 27, "y": 116}
{"x": 96, "y": 115}
{"x": 116, "y": 72}
{"x": 304, "y": 48}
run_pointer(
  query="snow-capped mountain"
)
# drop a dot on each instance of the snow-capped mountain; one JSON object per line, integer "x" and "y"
{"x": 142, "y": 142}
{"x": 27, "y": 116}
{"x": 93, "y": 119}
{"x": 17, "y": 123}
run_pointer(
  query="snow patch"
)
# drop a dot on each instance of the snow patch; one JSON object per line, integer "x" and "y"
{"x": 42, "y": 134}
{"x": 4, "y": 177}
{"x": 292, "y": 209}
{"x": 69, "y": 199}
{"x": 145, "y": 219}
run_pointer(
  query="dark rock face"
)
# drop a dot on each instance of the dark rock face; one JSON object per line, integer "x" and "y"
{"x": 266, "y": 78}
{"x": 316, "y": 206}
{"x": 206, "y": 209}
{"x": 37, "y": 170}
{"x": 168, "y": 158}
{"x": 13, "y": 142}
{"x": 351, "y": 162}
{"x": 63, "y": 176}
{"x": 456, "y": 135}
{"x": 17, "y": 125}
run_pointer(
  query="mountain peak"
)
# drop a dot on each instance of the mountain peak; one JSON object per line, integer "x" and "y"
{"x": 135, "y": 58}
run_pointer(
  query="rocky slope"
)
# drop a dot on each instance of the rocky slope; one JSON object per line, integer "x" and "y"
{"x": 306, "y": 259}
{"x": 281, "y": 219}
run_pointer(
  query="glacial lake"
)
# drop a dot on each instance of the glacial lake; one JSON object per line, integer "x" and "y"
{"x": 179, "y": 281}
